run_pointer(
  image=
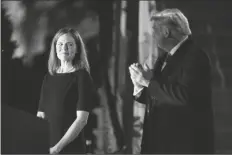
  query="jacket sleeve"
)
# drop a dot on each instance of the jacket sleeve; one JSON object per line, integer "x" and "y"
{"x": 194, "y": 74}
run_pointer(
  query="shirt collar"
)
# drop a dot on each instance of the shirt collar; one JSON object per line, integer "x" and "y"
{"x": 174, "y": 49}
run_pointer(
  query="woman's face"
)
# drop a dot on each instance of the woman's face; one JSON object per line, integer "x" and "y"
{"x": 66, "y": 47}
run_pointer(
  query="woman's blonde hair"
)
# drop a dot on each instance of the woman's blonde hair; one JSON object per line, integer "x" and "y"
{"x": 80, "y": 60}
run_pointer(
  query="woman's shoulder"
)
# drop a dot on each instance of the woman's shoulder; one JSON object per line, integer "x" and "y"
{"x": 82, "y": 72}
{"x": 83, "y": 76}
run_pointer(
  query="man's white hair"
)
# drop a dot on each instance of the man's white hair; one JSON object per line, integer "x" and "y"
{"x": 174, "y": 18}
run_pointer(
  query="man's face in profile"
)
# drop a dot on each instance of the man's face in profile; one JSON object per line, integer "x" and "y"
{"x": 157, "y": 34}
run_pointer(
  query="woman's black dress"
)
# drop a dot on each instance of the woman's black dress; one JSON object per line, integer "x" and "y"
{"x": 61, "y": 96}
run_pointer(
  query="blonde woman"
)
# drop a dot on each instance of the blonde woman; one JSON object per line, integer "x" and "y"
{"x": 65, "y": 99}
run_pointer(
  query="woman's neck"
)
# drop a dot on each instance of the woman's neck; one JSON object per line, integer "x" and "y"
{"x": 65, "y": 64}
{"x": 65, "y": 67}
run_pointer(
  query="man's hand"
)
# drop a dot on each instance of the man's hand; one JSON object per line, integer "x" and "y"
{"x": 139, "y": 76}
{"x": 135, "y": 83}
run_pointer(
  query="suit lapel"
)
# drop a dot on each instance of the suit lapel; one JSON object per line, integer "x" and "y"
{"x": 159, "y": 64}
{"x": 174, "y": 60}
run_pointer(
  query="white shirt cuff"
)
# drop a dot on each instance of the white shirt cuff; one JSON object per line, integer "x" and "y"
{"x": 137, "y": 90}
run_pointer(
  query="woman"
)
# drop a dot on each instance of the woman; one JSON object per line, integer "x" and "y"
{"x": 65, "y": 99}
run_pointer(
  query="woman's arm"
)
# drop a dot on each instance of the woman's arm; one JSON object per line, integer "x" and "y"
{"x": 72, "y": 132}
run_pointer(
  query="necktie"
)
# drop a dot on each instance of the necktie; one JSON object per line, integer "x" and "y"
{"x": 160, "y": 63}
{"x": 167, "y": 58}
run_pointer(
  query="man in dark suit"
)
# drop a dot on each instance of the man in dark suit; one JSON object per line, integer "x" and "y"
{"x": 177, "y": 92}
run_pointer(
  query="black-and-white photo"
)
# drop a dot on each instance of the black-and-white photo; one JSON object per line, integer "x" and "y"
{"x": 116, "y": 77}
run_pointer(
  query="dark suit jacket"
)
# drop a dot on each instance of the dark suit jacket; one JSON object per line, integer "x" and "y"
{"x": 179, "y": 115}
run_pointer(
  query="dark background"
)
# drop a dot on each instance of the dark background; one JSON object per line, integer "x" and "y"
{"x": 211, "y": 25}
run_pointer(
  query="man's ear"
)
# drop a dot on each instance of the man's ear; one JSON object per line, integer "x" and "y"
{"x": 166, "y": 31}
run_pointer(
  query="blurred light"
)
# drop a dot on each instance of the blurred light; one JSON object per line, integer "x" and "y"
{"x": 16, "y": 12}
{"x": 123, "y": 18}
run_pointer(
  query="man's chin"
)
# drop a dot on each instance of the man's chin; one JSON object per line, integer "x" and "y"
{"x": 161, "y": 50}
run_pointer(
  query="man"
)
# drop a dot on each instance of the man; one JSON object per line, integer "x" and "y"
{"x": 177, "y": 92}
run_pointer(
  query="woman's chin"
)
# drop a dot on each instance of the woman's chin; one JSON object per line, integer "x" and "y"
{"x": 64, "y": 58}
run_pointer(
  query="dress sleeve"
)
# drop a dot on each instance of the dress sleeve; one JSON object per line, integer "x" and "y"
{"x": 85, "y": 92}
{"x": 41, "y": 100}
